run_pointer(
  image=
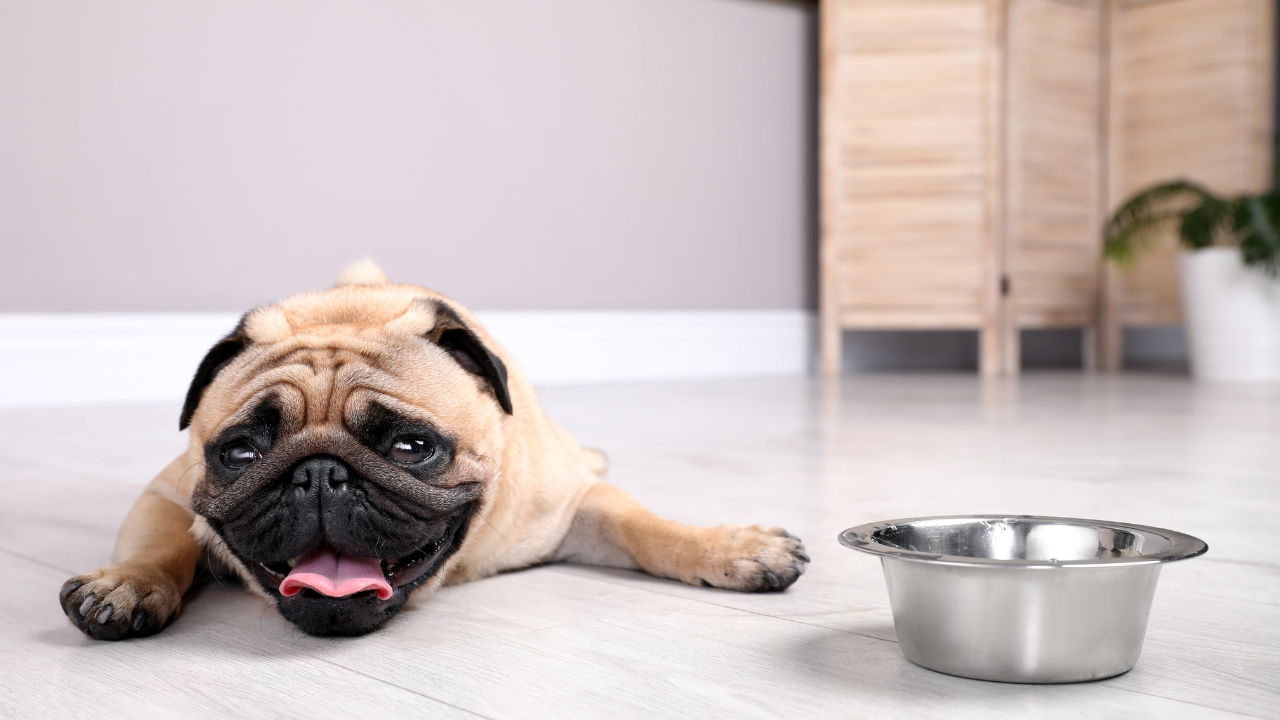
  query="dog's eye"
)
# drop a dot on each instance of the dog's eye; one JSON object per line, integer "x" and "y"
{"x": 240, "y": 455}
{"x": 411, "y": 450}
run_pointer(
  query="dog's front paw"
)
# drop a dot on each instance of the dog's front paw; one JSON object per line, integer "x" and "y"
{"x": 120, "y": 601}
{"x": 752, "y": 558}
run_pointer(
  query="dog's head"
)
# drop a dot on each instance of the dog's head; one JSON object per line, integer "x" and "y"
{"x": 349, "y": 439}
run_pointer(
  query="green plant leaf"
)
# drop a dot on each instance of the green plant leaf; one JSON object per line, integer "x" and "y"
{"x": 1255, "y": 223}
{"x": 1158, "y": 209}
{"x": 1206, "y": 222}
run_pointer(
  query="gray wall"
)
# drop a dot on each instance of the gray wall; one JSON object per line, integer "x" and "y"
{"x": 541, "y": 154}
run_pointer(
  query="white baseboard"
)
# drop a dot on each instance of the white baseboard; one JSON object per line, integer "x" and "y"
{"x": 61, "y": 359}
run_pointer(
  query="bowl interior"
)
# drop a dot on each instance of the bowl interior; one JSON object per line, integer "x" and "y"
{"x": 1020, "y": 539}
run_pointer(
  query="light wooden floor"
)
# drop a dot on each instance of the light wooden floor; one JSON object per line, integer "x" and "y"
{"x": 563, "y": 641}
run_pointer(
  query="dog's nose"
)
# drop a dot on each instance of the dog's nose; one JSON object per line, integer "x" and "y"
{"x": 321, "y": 473}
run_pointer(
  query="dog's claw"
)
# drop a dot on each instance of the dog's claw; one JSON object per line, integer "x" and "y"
{"x": 772, "y": 579}
{"x": 801, "y": 554}
{"x": 105, "y": 615}
{"x": 87, "y": 605}
{"x": 799, "y": 568}
{"x": 68, "y": 589}
{"x": 139, "y": 619}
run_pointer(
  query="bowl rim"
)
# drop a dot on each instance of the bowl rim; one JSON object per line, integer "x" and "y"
{"x": 1181, "y": 547}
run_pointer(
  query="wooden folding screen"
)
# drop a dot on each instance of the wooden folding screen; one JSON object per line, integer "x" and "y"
{"x": 911, "y": 115}
{"x": 1191, "y": 96}
{"x": 971, "y": 150}
{"x": 1054, "y": 159}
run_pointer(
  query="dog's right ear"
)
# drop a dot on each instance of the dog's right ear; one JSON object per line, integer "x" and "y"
{"x": 214, "y": 360}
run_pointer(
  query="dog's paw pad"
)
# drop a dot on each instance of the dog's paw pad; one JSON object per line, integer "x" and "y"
{"x": 117, "y": 602}
{"x": 752, "y": 558}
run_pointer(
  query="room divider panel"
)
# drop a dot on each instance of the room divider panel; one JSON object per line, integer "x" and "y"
{"x": 910, "y": 168}
{"x": 972, "y": 148}
{"x": 1053, "y": 151}
{"x": 1191, "y": 96}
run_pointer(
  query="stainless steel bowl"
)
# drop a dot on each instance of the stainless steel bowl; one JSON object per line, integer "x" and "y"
{"x": 1021, "y": 599}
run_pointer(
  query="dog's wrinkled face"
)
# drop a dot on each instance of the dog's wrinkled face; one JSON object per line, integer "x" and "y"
{"x": 348, "y": 442}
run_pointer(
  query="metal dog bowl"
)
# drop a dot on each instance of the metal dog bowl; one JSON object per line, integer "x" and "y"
{"x": 1021, "y": 599}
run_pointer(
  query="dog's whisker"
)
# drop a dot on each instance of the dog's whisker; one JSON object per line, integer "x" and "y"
{"x": 208, "y": 567}
{"x": 196, "y": 464}
{"x": 486, "y": 522}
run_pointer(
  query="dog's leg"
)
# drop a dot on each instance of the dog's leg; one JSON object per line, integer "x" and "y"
{"x": 153, "y": 565}
{"x": 611, "y": 528}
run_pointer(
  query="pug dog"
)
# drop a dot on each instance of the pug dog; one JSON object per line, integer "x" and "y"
{"x": 354, "y": 447}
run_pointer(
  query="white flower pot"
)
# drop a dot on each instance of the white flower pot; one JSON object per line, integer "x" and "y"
{"x": 1232, "y": 315}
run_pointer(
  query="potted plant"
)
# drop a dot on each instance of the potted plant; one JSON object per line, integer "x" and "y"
{"x": 1230, "y": 272}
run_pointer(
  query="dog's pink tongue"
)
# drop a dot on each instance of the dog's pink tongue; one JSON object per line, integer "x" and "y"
{"x": 335, "y": 575}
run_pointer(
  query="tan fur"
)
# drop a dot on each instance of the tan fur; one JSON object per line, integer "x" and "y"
{"x": 362, "y": 272}
{"x": 326, "y": 355}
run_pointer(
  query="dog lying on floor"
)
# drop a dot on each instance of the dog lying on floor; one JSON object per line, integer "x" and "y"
{"x": 351, "y": 447}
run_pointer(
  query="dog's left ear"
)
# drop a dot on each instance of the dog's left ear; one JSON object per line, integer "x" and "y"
{"x": 453, "y": 335}
{"x": 214, "y": 360}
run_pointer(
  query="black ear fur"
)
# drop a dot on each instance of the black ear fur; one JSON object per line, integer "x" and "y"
{"x": 455, "y": 337}
{"x": 217, "y": 358}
